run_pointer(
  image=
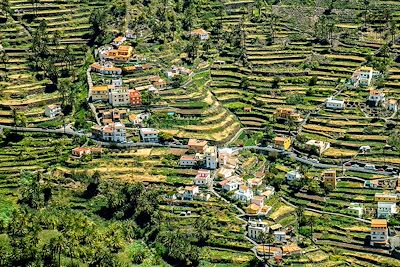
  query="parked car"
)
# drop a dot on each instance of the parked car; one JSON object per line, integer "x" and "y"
{"x": 370, "y": 167}
{"x": 348, "y": 164}
{"x": 381, "y": 170}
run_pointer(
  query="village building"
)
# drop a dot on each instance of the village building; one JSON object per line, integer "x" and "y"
{"x": 383, "y": 197}
{"x": 292, "y": 249}
{"x": 119, "y": 97}
{"x": 356, "y": 209}
{"x": 188, "y": 161}
{"x": 106, "y": 69}
{"x": 197, "y": 146}
{"x": 135, "y": 98}
{"x": 287, "y": 113}
{"x": 392, "y": 105}
{"x": 319, "y": 146}
{"x": 225, "y": 172}
{"x": 79, "y": 152}
{"x": 379, "y": 232}
{"x": 371, "y": 184}
{"x": 282, "y": 142}
{"x": 114, "y": 132}
{"x": 178, "y": 71}
{"x": 386, "y": 209}
{"x": 255, "y": 229}
{"x": 254, "y": 183}
{"x": 268, "y": 192}
{"x": 202, "y": 34}
{"x": 258, "y": 200}
{"x": 122, "y": 54}
{"x": 334, "y": 103}
{"x": 149, "y": 135}
{"x": 211, "y": 157}
{"x": 375, "y": 97}
{"x": 244, "y": 194}
{"x": 100, "y": 92}
{"x": 118, "y": 41}
{"x": 293, "y": 175}
{"x": 202, "y": 178}
{"x": 329, "y": 178}
{"x": 264, "y": 250}
{"x": 190, "y": 192}
{"x": 52, "y": 111}
{"x": 229, "y": 186}
{"x": 280, "y": 236}
{"x": 363, "y": 76}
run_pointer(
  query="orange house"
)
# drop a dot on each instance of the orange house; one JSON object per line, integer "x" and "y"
{"x": 135, "y": 98}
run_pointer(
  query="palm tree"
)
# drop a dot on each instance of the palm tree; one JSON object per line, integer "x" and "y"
{"x": 300, "y": 214}
{"x": 311, "y": 222}
{"x": 4, "y": 58}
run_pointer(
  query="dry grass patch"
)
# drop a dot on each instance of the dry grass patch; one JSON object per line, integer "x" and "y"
{"x": 281, "y": 211}
{"x": 336, "y": 153}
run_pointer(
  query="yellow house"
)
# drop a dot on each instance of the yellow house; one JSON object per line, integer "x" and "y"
{"x": 329, "y": 177}
{"x": 282, "y": 142}
{"x": 100, "y": 92}
{"x": 123, "y": 53}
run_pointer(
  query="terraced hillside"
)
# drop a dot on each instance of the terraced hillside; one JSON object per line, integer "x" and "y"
{"x": 23, "y": 88}
{"x": 279, "y": 62}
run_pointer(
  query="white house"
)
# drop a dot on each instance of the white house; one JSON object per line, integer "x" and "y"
{"x": 149, "y": 135}
{"x": 320, "y": 146}
{"x": 334, "y": 103}
{"x": 190, "y": 192}
{"x": 201, "y": 34}
{"x": 363, "y": 76}
{"x": 202, "y": 178}
{"x": 244, "y": 194}
{"x": 356, "y": 209}
{"x": 187, "y": 161}
{"x": 116, "y": 82}
{"x": 230, "y": 186}
{"x": 114, "y": 132}
{"x": 256, "y": 228}
{"x": 386, "y": 209}
{"x": 293, "y": 175}
{"x": 52, "y": 110}
{"x": 211, "y": 157}
{"x": 392, "y": 105}
{"x": 375, "y": 97}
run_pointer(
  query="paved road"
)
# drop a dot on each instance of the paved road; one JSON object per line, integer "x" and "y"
{"x": 326, "y": 212}
{"x": 311, "y": 162}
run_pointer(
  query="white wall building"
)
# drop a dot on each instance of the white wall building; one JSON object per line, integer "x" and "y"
{"x": 114, "y": 132}
{"x": 386, "y": 209}
{"x": 334, "y": 103}
{"x": 244, "y": 194}
{"x": 375, "y": 97}
{"x": 320, "y": 146}
{"x": 356, "y": 209}
{"x": 293, "y": 175}
{"x": 190, "y": 192}
{"x": 230, "y": 186}
{"x": 392, "y": 105}
{"x": 256, "y": 228}
{"x": 52, "y": 111}
{"x": 149, "y": 135}
{"x": 187, "y": 161}
{"x": 202, "y": 178}
{"x": 211, "y": 157}
{"x": 363, "y": 76}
